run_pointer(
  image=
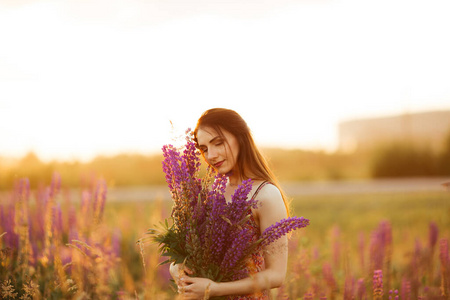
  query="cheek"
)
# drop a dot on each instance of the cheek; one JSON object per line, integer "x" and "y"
{"x": 205, "y": 158}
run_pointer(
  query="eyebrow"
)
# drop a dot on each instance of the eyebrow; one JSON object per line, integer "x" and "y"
{"x": 215, "y": 138}
{"x": 211, "y": 141}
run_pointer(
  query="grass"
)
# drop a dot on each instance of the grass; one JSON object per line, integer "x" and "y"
{"x": 326, "y": 259}
{"x": 363, "y": 212}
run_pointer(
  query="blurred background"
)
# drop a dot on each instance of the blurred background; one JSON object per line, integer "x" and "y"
{"x": 349, "y": 101}
{"x": 335, "y": 86}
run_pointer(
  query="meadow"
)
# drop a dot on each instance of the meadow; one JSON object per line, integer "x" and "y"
{"x": 59, "y": 245}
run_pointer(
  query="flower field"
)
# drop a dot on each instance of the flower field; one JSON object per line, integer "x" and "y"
{"x": 55, "y": 245}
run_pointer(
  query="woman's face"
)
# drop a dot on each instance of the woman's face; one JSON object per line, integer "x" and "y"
{"x": 220, "y": 151}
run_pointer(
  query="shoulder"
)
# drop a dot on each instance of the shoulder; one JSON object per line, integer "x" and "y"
{"x": 269, "y": 198}
{"x": 271, "y": 207}
{"x": 268, "y": 192}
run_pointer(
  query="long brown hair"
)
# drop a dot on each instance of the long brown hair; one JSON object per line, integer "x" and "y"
{"x": 250, "y": 161}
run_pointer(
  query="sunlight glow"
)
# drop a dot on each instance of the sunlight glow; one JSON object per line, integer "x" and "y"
{"x": 79, "y": 79}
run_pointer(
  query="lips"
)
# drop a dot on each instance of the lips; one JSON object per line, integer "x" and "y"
{"x": 217, "y": 165}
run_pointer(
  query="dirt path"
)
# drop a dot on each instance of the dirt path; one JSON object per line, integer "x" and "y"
{"x": 367, "y": 186}
{"x": 302, "y": 188}
{"x": 305, "y": 188}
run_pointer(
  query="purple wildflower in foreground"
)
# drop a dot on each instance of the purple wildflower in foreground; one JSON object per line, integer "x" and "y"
{"x": 329, "y": 277}
{"x": 377, "y": 284}
{"x": 217, "y": 224}
{"x": 214, "y": 238}
{"x": 443, "y": 252}
{"x": 190, "y": 159}
{"x": 406, "y": 289}
{"x": 236, "y": 250}
{"x": 433, "y": 235}
{"x": 393, "y": 295}
{"x": 239, "y": 206}
{"x": 349, "y": 287}
{"x": 360, "y": 289}
{"x": 171, "y": 166}
{"x": 281, "y": 228}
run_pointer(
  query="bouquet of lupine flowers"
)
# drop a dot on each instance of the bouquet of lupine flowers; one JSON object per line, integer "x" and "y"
{"x": 205, "y": 232}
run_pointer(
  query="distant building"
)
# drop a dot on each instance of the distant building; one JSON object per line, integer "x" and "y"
{"x": 428, "y": 129}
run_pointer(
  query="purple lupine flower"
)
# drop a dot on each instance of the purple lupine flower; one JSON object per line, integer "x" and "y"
{"x": 57, "y": 221}
{"x": 191, "y": 158}
{"x": 418, "y": 248}
{"x": 239, "y": 206}
{"x": 328, "y": 276}
{"x": 433, "y": 235}
{"x": 360, "y": 289}
{"x": 22, "y": 189}
{"x": 180, "y": 173}
{"x": 236, "y": 250}
{"x": 443, "y": 253}
{"x": 336, "y": 246}
{"x": 376, "y": 250}
{"x": 208, "y": 231}
{"x": 39, "y": 213}
{"x": 315, "y": 253}
{"x": 115, "y": 242}
{"x": 11, "y": 238}
{"x": 220, "y": 183}
{"x": 405, "y": 292}
{"x": 73, "y": 234}
{"x": 349, "y": 288}
{"x": 21, "y": 196}
{"x": 100, "y": 198}
{"x": 377, "y": 284}
{"x": 218, "y": 225}
{"x": 85, "y": 201}
{"x": 281, "y": 228}
{"x": 171, "y": 167}
{"x": 72, "y": 218}
{"x": 361, "y": 244}
{"x": 55, "y": 184}
{"x": 380, "y": 244}
{"x": 393, "y": 294}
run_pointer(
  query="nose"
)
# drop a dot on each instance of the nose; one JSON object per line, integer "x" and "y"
{"x": 212, "y": 154}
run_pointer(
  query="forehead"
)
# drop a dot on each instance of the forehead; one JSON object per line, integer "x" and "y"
{"x": 206, "y": 134}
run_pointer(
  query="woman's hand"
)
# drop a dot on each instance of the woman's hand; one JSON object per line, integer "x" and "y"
{"x": 177, "y": 271}
{"x": 196, "y": 288}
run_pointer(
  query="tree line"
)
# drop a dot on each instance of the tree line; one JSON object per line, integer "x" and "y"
{"x": 394, "y": 159}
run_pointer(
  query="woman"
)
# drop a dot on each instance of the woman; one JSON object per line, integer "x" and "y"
{"x": 225, "y": 141}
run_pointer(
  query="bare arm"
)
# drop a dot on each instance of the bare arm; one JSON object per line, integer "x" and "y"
{"x": 272, "y": 210}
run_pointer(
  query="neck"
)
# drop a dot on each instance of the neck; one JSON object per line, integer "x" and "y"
{"x": 234, "y": 179}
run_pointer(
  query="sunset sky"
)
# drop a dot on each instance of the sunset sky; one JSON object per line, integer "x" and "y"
{"x": 80, "y": 78}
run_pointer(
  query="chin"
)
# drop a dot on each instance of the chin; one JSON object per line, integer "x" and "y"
{"x": 223, "y": 171}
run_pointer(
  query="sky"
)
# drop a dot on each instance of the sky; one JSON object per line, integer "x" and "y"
{"x": 82, "y": 78}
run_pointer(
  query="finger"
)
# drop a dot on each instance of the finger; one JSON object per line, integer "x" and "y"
{"x": 181, "y": 283}
{"x": 187, "y": 279}
{"x": 188, "y": 271}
